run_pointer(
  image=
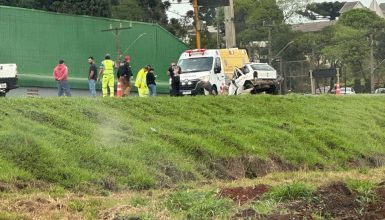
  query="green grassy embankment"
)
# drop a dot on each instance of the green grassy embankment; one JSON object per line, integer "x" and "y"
{"x": 112, "y": 144}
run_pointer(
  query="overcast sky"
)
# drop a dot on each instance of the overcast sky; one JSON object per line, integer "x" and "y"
{"x": 183, "y": 8}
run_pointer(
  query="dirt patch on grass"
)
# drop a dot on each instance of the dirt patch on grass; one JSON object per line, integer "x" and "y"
{"x": 35, "y": 208}
{"x": 21, "y": 185}
{"x": 248, "y": 167}
{"x": 120, "y": 213}
{"x": 337, "y": 200}
{"x": 376, "y": 209}
{"x": 334, "y": 201}
{"x": 242, "y": 195}
{"x": 252, "y": 214}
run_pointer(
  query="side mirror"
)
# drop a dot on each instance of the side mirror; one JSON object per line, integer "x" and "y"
{"x": 217, "y": 70}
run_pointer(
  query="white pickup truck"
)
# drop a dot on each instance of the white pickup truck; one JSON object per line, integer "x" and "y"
{"x": 8, "y": 78}
{"x": 255, "y": 78}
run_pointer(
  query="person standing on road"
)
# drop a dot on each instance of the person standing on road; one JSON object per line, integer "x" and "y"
{"x": 151, "y": 77}
{"x": 60, "y": 74}
{"x": 107, "y": 72}
{"x": 141, "y": 82}
{"x": 92, "y": 75}
{"x": 174, "y": 71}
{"x": 124, "y": 75}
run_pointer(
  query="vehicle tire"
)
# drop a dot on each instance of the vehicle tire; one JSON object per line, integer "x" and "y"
{"x": 214, "y": 90}
{"x": 272, "y": 90}
{"x": 248, "y": 85}
{"x": 2, "y": 94}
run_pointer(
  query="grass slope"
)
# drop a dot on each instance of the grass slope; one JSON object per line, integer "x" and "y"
{"x": 145, "y": 143}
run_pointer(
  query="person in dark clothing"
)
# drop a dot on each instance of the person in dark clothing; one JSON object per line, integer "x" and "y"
{"x": 150, "y": 78}
{"x": 92, "y": 76}
{"x": 174, "y": 71}
{"x": 124, "y": 75}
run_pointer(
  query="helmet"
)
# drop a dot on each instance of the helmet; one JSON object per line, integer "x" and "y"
{"x": 108, "y": 56}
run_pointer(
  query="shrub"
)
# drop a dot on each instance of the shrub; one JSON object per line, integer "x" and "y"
{"x": 199, "y": 205}
{"x": 291, "y": 192}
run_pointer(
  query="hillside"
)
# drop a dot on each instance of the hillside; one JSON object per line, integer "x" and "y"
{"x": 113, "y": 144}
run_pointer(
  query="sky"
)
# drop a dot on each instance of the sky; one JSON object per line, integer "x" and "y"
{"x": 183, "y": 8}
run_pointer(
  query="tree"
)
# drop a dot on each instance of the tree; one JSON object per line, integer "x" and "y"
{"x": 289, "y": 7}
{"x": 143, "y": 10}
{"x": 327, "y": 9}
{"x": 250, "y": 17}
{"x": 351, "y": 46}
{"x": 128, "y": 10}
{"x": 99, "y": 8}
{"x": 361, "y": 19}
{"x": 310, "y": 46}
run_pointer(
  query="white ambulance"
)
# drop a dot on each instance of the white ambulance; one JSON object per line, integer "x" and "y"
{"x": 204, "y": 71}
{"x": 8, "y": 78}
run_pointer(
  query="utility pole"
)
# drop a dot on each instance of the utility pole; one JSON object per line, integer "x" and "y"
{"x": 229, "y": 25}
{"x": 197, "y": 24}
{"x": 371, "y": 64}
{"x": 270, "y": 47}
{"x": 218, "y": 24}
{"x": 116, "y": 33}
{"x": 270, "y": 39}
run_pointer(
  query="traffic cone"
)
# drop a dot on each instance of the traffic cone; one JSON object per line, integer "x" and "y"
{"x": 119, "y": 90}
{"x": 338, "y": 89}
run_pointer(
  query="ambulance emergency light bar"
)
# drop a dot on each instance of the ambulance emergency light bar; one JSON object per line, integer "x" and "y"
{"x": 202, "y": 51}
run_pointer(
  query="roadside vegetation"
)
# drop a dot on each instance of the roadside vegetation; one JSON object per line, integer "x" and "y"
{"x": 109, "y": 144}
{"x": 193, "y": 157}
{"x": 312, "y": 194}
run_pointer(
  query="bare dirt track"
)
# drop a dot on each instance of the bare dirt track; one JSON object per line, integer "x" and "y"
{"x": 242, "y": 195}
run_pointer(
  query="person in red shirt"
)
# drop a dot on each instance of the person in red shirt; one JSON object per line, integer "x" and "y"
{"x": 60, "y": 74}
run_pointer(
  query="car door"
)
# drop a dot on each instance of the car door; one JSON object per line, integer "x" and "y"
{"x": 220, "y": 75}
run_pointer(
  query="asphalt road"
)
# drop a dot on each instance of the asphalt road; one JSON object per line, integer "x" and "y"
{"x": 51, "y": 92}
{"x": 44, "y": 92}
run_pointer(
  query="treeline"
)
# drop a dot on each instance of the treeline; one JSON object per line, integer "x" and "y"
{"x": 144, "y": 10}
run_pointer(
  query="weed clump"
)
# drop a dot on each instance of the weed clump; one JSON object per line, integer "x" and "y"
{"x": 199, "y": 205}
{"x": 291, "y": 192}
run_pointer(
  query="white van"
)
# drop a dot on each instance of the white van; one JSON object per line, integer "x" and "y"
{"x": 8, "y": 78}
{"x": 202, "y": 72}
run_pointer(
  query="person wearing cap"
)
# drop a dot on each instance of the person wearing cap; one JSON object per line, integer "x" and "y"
{"x": 141, "y": 82}
{"x": 60, "y": 73}
{"x": 107, "y": 74}
{"x": 124, "y": 75}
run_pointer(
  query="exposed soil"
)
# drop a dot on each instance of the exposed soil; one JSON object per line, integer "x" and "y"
{"x": 337, "y": 200}
{"x": 253, "y": 167}
{"x": 35, "y": 208}
{"x": 242, "y": 195}
{"x": 376, "y": 209}
{"x": 250, "y": 214}
{"x": 248, "y": 167}
{"x": 18, "y": 185}
{"x": 334, "y": 201}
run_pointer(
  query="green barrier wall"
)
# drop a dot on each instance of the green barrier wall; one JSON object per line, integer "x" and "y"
{"x": 36, "y": 40}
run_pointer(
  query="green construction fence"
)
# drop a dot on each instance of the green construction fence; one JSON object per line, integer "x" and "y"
{"x": 36, "y": 40}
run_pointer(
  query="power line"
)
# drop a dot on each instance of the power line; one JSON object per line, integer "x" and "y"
{"x": 174, "y": 12}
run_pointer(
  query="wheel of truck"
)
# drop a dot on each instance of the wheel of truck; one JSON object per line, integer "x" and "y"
{"x": 2, "y": 94}
{"x": 272, "y": 90}
{"x": 214, "y": 90}
{"x": 248, "y": 85}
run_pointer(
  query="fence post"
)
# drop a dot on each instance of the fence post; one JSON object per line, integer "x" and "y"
{"x": 312, "y": 82}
